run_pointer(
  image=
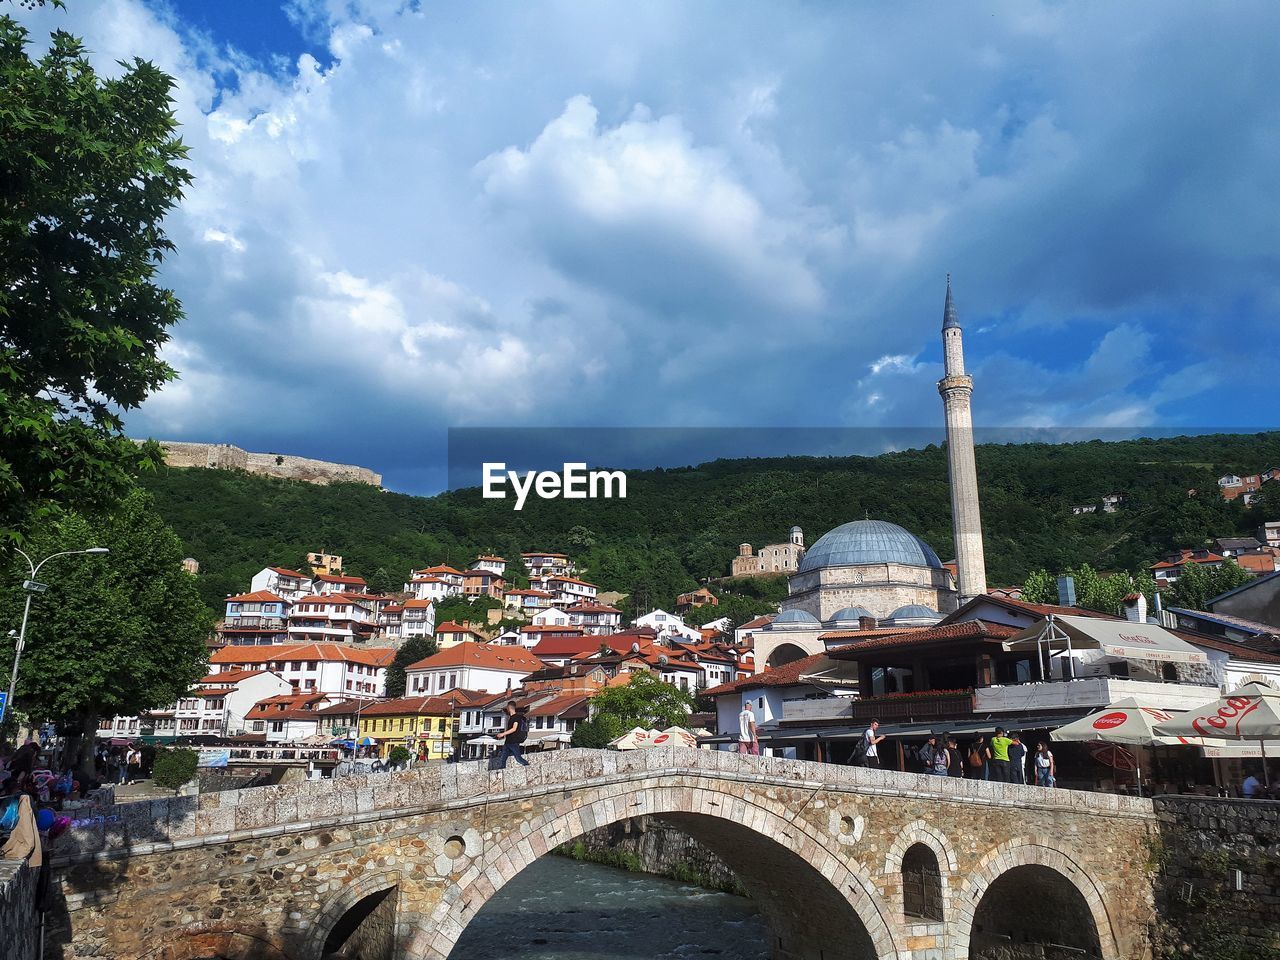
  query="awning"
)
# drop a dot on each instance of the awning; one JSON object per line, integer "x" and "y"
{"x": 1115, "y": 638}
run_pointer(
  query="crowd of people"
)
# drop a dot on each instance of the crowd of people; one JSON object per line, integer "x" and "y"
{"x": 1005, "y": 758}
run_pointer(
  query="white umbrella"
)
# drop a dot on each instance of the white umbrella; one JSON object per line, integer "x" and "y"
{"x": 1251, "y": 713}
{"x": 633, "y": 739}
{"x": 1125, "y": 721}
{"x": 674, "y": 737}
{"x": 484, "y": 740}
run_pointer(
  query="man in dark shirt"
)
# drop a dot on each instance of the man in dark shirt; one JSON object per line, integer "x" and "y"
{"x": 1017, "y": 760}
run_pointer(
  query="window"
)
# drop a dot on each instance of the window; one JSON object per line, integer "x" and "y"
{"x": 277, "y": 726}
{"x": 921, "y": 884}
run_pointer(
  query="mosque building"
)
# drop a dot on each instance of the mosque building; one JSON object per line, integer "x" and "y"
{"x": 875, "y": 577}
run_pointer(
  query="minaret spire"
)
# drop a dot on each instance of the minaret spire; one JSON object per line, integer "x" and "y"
{"x": 956, "y": 388}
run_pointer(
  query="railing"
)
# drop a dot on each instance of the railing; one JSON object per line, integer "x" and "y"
{"x": 284, "y": 755}
{"x": 927, "y": 705}
{"x": 1090, "y": 692}
{"x": 252, "y": 623}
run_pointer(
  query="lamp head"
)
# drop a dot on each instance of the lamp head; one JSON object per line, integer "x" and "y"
{"x": 98, "y": 550}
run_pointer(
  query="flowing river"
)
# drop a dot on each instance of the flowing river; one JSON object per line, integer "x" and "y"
{"x": 561, "y": 909}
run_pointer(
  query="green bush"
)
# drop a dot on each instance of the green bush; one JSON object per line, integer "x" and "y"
{"x": 174, "y": 767}
{"x": 397, "y": 756}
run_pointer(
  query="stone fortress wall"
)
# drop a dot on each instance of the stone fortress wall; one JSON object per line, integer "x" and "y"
{"x": 225, "y": 456}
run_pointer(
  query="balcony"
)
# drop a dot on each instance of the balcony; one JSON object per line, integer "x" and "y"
{"x": 1090, "y": 692}
{"x": 912, "y": 707}
{"x": 251, "y": 623}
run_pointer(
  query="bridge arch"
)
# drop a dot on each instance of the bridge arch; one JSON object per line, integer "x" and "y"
{"x": 1023, "y": 859}
{"x": 776, "y": 844}
{"x": 338, "y": 907}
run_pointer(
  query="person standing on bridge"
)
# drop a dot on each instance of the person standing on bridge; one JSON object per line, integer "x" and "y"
{"x": 870, "y": 741}
{"x": 513, "y": 736}
{"x": 748, "y": 735}
{"x": 1000, "y": 756}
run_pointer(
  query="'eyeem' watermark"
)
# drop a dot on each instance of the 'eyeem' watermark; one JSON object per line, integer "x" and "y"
{"x": 575, "y": 482}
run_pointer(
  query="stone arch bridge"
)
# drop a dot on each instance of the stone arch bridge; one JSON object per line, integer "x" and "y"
{"x": 842, "y": 862}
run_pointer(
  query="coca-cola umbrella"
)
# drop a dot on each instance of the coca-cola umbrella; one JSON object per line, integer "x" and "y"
{"x": 1251, "y": 713}
{"x": 1125, "y": 721}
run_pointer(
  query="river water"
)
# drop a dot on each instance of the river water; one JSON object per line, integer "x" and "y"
{"x": 561, "y": 909}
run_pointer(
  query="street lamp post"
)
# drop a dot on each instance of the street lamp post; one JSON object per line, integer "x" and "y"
{"x": 32, "y": 586}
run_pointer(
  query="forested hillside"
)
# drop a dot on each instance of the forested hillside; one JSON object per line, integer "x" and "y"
{"x": 678, "y": 526}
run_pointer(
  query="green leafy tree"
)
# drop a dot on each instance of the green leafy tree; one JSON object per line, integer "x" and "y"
{"x": 598, "y": 732}
{"x": 89, "y": 167}
{"x": 114, "y": 635}
{"x": 645, "y": 702}
{"x": 174, "y": 766}
{"x": 413, "y": 650}
{"x": 1196, "y": 585}
{"x": 1040, "y": 587}
{"x": 398, "y": 755}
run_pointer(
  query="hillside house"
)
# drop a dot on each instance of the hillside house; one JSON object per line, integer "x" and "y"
{"x": 330, "y": 668}
{"x": 471, "y": 666}
{"x": 544, "y": 565}
{"x": 418, "y": 619}
{"x": 482, "y": 582}
{"x": 283, "y": 582}
{"x": 335, "y": 617}
{"x": 256, "y": 618}
{"x": 488, "y": 561}
{"x": 338, "y": 583}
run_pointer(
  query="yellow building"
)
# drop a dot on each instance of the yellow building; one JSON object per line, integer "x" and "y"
{"x": 425, "y": 726}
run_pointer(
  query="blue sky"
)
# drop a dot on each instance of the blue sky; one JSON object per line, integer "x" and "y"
{"x": 415, "y": 216}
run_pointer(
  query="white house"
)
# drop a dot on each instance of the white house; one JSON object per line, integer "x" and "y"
{"x": 337, "y": 583}
{"x": 487, "y": 561}
{"x": 281, "y": 581}
{"x": 667, "y": 625}
{"x": 430, "y": 587}
{"x": 215, "y": 706}
{"x": 569, "y": 590}
{"x": 527, "y": 600}
{"x": 331, "y": 668}
{"x": 542, "y": 565}
{"x": 550, "y": 617}
{"x": 338, "y": 617}
{"x": 288, "y": 718}
{"x": 471, "y": 666}
{"x": 595, "y": 618}
{"x": 451, "y": 576}
{"x": 418, "y": 619}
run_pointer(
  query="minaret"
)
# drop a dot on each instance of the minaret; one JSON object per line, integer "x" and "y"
{"x": 966, "y": 519}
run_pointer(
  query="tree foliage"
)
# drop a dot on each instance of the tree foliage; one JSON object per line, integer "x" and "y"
{"x": 410, "y": 652}
{"x": 1196, "y": 585}
{"x": 114, "y": 635}
{"x": 676, "y": 528}
{"x": 174, "y": 766}
{"x": 645, "y": 702}
{"x": 598, "y": 732}
{"x": 89, "y": 167}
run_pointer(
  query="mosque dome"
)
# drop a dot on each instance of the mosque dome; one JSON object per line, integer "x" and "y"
{"x": 868, "y": 541}
{"x": 850, "y": 615}
{"x": 914, "y": 611}
{"x": 792, "y": 619}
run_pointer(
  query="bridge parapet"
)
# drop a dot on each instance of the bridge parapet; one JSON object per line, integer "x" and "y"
{"x": 177, "y": 822}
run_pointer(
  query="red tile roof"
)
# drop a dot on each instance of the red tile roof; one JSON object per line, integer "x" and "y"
{"x": 452, "y": 626}
{"x": 943, "y": 633}
{"x": 415, "y": 604}
{"x": 439, "y": 568}
{"x": 758, "y": 622}
{"x": 288, "y": 573}
{"x": 483, "y": 655}
{"x": 230, "y": 676}
{"x": 558, "y": 556}
{"x": 258, "y": 596}
{"x": 335, "y": 578}
{"x": 278, "y": 653}
{"x": 435, "y": 706}
{"x": 786, "y": 675}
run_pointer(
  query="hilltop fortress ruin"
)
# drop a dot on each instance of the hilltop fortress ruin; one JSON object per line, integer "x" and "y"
{"x": 224, "y": 456}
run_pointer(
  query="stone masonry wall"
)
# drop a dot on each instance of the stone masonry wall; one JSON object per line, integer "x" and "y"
{"x": 651, "y": 845}
{"x": 1203, "y": 842}
{"x": 19, "y": 923}
{"x": 224, "y": 456}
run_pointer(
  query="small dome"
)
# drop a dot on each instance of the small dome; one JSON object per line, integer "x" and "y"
{"x": 850, "y": 615}
{"x": 868, "y": 541}
{"x": 914, "y": 611}
{"x": 795, "y": 618}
